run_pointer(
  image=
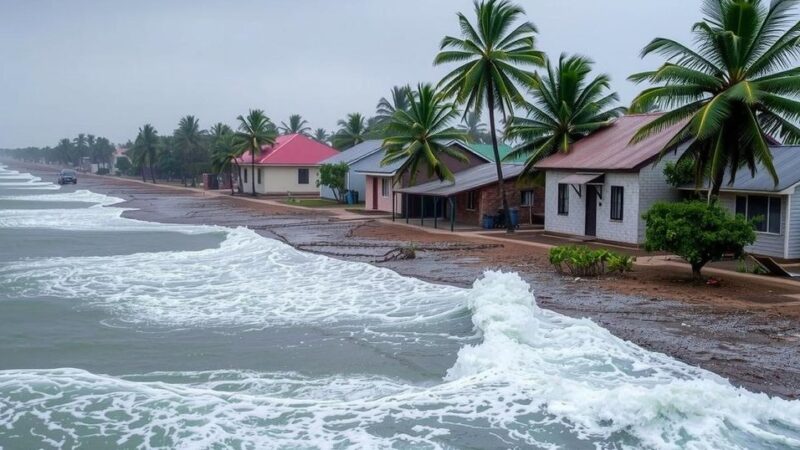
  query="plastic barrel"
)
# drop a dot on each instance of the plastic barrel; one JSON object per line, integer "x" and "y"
{"x": 488, "y": 222}
{"x": 514, "y": 213}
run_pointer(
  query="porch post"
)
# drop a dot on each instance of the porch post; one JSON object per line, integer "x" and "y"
{"x": 405, "y": 196}
{"x": 452, "y": 213}
{"x": 435, "y": 212}
{"x": 393, "y": 208}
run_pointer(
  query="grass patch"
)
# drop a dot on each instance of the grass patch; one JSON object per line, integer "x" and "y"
{"x": 314, "y": 203}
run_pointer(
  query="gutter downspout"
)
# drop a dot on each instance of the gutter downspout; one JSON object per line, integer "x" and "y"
{"x": 787, "y": 226}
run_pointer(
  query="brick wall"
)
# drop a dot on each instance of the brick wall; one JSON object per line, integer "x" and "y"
{"x": 488, "y": 201}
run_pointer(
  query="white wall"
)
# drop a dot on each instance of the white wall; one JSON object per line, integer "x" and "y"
{"x": 279, "y": 180}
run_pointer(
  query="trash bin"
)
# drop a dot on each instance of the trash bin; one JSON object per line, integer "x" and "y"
{"x": 348, "y": 197}
{"x": 488, "y": 221}
{"x": 514, "y": 213}
{"x": 355, "y": 197}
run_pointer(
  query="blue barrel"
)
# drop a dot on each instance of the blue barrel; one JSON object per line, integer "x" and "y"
{"x": 355, "y": 197}
{"x": 488, "y": 221}
{"x": 514, "y": 213}
{"x": 348, "y": 197}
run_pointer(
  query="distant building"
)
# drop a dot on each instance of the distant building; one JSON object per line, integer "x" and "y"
{"x": 291, "y": 165}
{"x": 354, "y": 181}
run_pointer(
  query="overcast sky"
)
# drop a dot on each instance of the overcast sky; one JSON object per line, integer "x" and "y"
{"x": 107, "y": 67}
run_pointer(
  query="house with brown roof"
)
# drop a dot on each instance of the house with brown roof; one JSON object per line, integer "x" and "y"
{"x": 601, "y": 188}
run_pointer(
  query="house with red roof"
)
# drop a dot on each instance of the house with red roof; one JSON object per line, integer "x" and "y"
{"x": 290, "y": 166}
{"x": 603, "y": 185}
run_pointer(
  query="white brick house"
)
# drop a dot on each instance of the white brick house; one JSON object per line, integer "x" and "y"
{"x": 601, "y": 188}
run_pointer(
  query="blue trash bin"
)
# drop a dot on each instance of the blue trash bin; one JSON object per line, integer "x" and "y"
{"x": 348, "y": 197}
{"x": 514, "y": 213}
{"x": 488, "y": 221}
{"x": 355, "y": 197}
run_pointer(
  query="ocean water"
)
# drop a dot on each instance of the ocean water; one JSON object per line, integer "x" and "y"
{"x": 117, "y": 333}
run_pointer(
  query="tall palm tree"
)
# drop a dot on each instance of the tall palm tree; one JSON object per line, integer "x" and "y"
{"x": 474, "y": 129}
{"x": 734, "y": 91}
{"x": 145, "y": 148}
{"x": 224, "y": 155}
{"x": 81, "y": 148}
{"x": 296, "y": 125}
{"x": 566, "y": 107}
{"x": 399, "y": 102}
{"x": 352, "y": 131}
{"x": 218, "y": 130}
{"x": 321, "y": 135}
{"x": 255, "y": 131}
{"x": 489, "y": 56}
{"x": 421, "y": 135}
{"x": 64, "y": 152}
{"x": 188, "y": 140}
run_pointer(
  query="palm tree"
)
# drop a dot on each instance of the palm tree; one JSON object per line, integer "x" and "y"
{"x": 730, "y": 94}
{"x": 566, "y": 107}
{"x": 399, "y": 102}
{"x": 255, "y": 131}
{"x": 422, "y": 134}
{"x": 145, "y": 148}
{"x": 64, "y": 151}
{"x": 321, "y": 135}
{"x": 188, "y": 140}
{"x": 474, "y": 129}
{"x": 218, "y": 130}
{"x": 352, "y": 131}
{"x": 224, "y": 155}
{"x": 80, "y": 147}
{"x": 296, "y": 125}
{"x": 488, "y": 58}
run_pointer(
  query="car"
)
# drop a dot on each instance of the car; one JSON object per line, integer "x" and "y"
{"x": 67, "y": 176}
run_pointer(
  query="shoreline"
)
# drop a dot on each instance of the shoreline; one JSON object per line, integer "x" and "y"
{"x": 746, "y": 331}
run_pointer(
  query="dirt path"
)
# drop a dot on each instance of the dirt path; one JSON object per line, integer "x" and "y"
{"x": 747, "y": 331}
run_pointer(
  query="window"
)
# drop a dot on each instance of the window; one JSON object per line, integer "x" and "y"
{"x": 258, "y": 177}
{"x": 302, "y": 176}
{"x": 767, "y": 208}
{"x": 245, "y": 175}
{"x": 385, "y": 187}
{"x": 617, "y": 202}
{"x": 563, "y": 199}
{"x": 526, "y": 198}
{"x": 472, "y": 200}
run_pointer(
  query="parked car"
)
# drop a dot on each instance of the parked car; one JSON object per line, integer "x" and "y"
{"x": 67, "y": 176}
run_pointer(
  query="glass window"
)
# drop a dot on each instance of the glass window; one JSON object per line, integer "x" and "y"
{"x": 245, "y": 175}
{"x": 757, "y": 207}
{"x": 302, "y": 176}
{"x": 563, "y": 199}
{"x": 471, "y": 200}
{"x": 526, "y": 198}
{"x": 741, "y": 205}
{"x": 774, "y": 216}
{"x": 258, "y": 177}
{"x": 617, "y": 202}
{"x": 385, "y": 187}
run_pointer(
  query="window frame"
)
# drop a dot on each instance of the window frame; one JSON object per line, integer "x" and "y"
{"x": 766, "y": 222}
{"x": 300, "y": 171}
{"x": 472, "y": 200}
{"x": 562, "y": 199}
{"x": 385, "y": 187}
{"x": 258, "y": 176}
{"x": 525, "y": 196}
{"x": 620, "y": 191}
{"x": 245, "y": 175}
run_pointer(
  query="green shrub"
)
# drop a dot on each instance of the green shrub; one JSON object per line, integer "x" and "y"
{"x": 582, "y": 261}
{"x": 102, "y": 171}
{"x": 679, "y": 173}
{"x": 697, "y": 232}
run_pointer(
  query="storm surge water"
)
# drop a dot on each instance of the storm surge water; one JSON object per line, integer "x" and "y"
{"x": 221, "y": 338}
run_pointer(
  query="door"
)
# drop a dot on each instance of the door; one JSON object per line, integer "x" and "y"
{"x": 591, "y": 211}
{"x": 375, "y": 181}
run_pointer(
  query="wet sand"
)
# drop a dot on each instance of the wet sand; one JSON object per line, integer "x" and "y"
{"x": 748, "y": 332}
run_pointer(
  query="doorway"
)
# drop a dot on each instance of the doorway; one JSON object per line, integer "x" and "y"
{"x": 591, "y": 210}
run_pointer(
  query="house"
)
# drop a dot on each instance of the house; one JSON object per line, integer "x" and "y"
{"x": 601, "y": 188}
{"x": 290, "y": 166}
{"x": 778, "y": 233}
{"x": 381, "y": 180}
{"x": 354, "y": 181}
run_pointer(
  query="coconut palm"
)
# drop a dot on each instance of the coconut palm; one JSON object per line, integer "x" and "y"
{"x": 65, "y": 152}
{"x": 352, "y": 131}
{"x": 734, "y": 91}
{"x": 224, "y": 155}
{"x": 188, "y": 141}
{"x": 489, "y": 56}
{"x": 145, "y": 148}
{"x": 255, "y": 131}
{"x": 296, "y": 125}
{"x": 567, "y": 106}
{"x": 321, "y": 135}
{"x": 218, "y": 130}
{"x": 399, "y": 102}
{"x": 474, "y": 129}
{"x": 421, "y": 135}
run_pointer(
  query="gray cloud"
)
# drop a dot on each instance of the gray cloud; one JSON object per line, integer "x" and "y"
{"x": 107, "y": 67}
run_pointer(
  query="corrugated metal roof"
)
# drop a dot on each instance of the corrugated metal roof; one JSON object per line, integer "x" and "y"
{"x": 487, "y": 151}
{"x": 466, "y": 180}
{"x": 355, "y": 153}
{"x": 291, "y": 150}
{"x": 372, "y": 164}
{"x": 786, "y": 160}
{"x": 610, "y": 148}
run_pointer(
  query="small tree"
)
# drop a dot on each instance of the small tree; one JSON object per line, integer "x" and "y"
{"x": 680, "y": 172}
{"x": 124, "y": 166}
{"x": 697, "y": 232}
{"x": 334, "y": 176}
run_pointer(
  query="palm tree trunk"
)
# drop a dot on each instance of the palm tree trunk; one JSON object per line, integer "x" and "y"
{"x": 152, "y": 172}
{"x": 253, "y": 172}
{"x": 144, "y": 178}
{"x": 497, "y": 162}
